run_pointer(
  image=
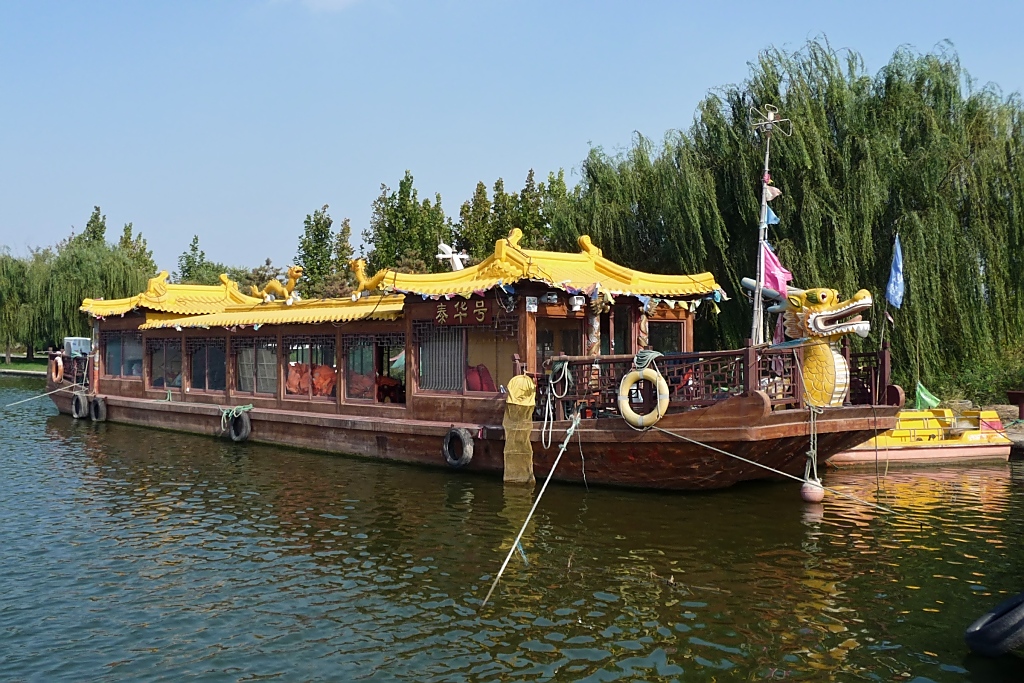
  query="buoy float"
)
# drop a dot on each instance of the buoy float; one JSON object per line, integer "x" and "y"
{"x": 812, "y": 492}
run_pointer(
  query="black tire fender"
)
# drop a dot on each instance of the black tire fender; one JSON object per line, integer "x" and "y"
{"x": 241, "y": 427}
{"x": 999, "y": 630}
{"x": 79, "y": 406}
{"x": 458, "y": 447}
{"x": 98, "y": 409}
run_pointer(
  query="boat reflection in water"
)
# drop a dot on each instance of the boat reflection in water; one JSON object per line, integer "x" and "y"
{"x": 350, "y": 567}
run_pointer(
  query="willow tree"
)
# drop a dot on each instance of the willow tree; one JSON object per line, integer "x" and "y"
{"x": 917, "y": 149}
{"x": 80, "y": 270}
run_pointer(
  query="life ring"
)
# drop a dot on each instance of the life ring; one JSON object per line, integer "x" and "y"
{"x": 80, "y": 406}
{"x": 241, "y": 427}
{"x": 999, "y": 630}
{"x": 57, "y": 370}
{"x": 627, "y": 412}
{"x": 458, "y": 447}
{"x": 98, "y": 409}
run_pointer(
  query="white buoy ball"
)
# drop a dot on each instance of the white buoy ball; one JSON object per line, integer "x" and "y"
{"x": 812, "y": 492}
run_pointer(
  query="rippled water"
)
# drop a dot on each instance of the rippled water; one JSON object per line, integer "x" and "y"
{"x": 139, "y": 554}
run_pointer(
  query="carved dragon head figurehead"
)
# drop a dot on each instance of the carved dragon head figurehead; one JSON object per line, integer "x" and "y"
{"x": 820, "y": 320}
{"x": 819, "y": 314}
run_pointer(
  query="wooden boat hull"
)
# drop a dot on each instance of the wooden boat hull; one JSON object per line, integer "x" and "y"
{"x": 604, "y": 451}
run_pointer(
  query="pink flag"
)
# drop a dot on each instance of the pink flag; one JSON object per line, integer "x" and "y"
{"x": 775, "y": 276}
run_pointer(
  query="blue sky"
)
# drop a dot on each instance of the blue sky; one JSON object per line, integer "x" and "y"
{"x": 233, "y": 119}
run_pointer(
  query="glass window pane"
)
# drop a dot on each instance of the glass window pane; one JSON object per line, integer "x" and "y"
{"x": 157, "y": 376}
{"x": 199, "y": 369}
{"x": 266, "y": 369}
{"x": 359, "y": 372}
{"x": 489, "y": 359}
{"x": 324, "y": 374}
{"x": 245, "y": 370}
{"x": 112, "y": 357}
{"x": 297, "y": 375}
{"x": 131, "y": 356}
{"x": 216, "y": 377}
{"x": 666, "y": 337}
{"x": 172, "y": 363}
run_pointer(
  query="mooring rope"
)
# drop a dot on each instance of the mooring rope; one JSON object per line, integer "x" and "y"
{"x": 787, "y": 475}
{"x": 228, "y": 414}
{"x": 559, "y": 373}
{"x": 515, "y": 544}
{"x": 73, "y": 388}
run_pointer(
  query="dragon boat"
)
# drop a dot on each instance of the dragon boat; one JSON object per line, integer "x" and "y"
{"x": 420, "y": 368}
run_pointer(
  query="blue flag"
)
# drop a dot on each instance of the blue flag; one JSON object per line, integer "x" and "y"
{"x": 894, "y": 290}
{"x": 772, "y": 218}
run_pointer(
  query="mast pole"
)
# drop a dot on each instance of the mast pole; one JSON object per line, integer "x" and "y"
{"x": 764, "y": 122}
{"x": 757, "y": 326}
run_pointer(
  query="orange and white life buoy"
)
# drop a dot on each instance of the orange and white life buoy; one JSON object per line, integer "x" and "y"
{"x": 57, "y": 371}
{"x": 626, "y": 410}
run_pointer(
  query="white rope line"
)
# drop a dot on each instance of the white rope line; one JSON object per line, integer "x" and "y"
{"x": 515, "y": 543}
{"x": 73, "y": 388}
{"x": 786, "y": 474}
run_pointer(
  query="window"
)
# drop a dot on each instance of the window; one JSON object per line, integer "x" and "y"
{"x": 122, "y": 354}
{"x": 208, "y": 361}
{"x": 615, "y": 331}
{"x": 311, "y": 371}
{"x": 558, "y": 337}
{"x": 255, "y": 365}
{"x": 164, "y": 363}
{"x": 375, "y": 367}
{"x": 466, "y": 358}
{"x": 666, "y": 337}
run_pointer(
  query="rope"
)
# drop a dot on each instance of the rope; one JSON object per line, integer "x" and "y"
{"x": 811, "y": 468}
{"x": 229, "y": 414}
{"x": 645, "y": 357}
{"x": 71, "y": 389}
{"x": 787, "y": 475}
{"x": 559, "y": 373}
{"x": 515, "y": 543}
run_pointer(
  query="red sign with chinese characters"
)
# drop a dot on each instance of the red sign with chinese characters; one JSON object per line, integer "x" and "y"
{"x": 463, "y": 312}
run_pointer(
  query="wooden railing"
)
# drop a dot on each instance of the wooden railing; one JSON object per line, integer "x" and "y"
{"x": 700, "y": 379}
{"x": 869, "y": 375}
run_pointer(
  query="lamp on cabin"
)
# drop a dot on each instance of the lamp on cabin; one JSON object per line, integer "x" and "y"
{"x": 576, "y": 303}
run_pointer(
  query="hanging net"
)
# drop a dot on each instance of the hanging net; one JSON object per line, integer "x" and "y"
{"x": 518, "y": 423}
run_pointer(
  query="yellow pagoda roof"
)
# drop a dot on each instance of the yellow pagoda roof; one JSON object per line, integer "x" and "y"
{"x": 386, "y": 307}
{"x": 585, "y": 270}
{"x": 170, "y": 298}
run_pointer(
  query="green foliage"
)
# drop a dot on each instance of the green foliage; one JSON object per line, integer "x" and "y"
{"x": 401, "y": 223}
{"x": 13, "y": 296}
{"x": 483, "y": 220}
{"x": 195, "y": 269}
{"x": 137, "y": 250}
{"x": 916, "y": 149}
{"x": 315, "y": 252}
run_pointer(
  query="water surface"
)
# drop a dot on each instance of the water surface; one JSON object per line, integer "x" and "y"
{"x": 137, "y": 554}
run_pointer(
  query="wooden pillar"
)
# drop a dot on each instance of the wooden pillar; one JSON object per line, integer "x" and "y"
{"x": 750, "y": 378}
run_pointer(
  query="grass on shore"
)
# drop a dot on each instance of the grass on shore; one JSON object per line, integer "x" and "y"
{"x": 20, "y": 364}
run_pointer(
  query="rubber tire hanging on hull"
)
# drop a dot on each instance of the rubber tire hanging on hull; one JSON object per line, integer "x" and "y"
{"x": 458, "y": 447}
{"x": 80, "y": 406}
{"x": 98, "y": 409}
{"x": 241, "y": 427}
{"x": 999, "y": 630}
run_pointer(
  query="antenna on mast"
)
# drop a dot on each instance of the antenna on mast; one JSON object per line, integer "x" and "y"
{"x": 765, "y": 122}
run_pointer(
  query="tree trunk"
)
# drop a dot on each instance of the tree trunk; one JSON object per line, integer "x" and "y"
{"x": 8, "y": 354}
{"x": 30, "y": 353}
